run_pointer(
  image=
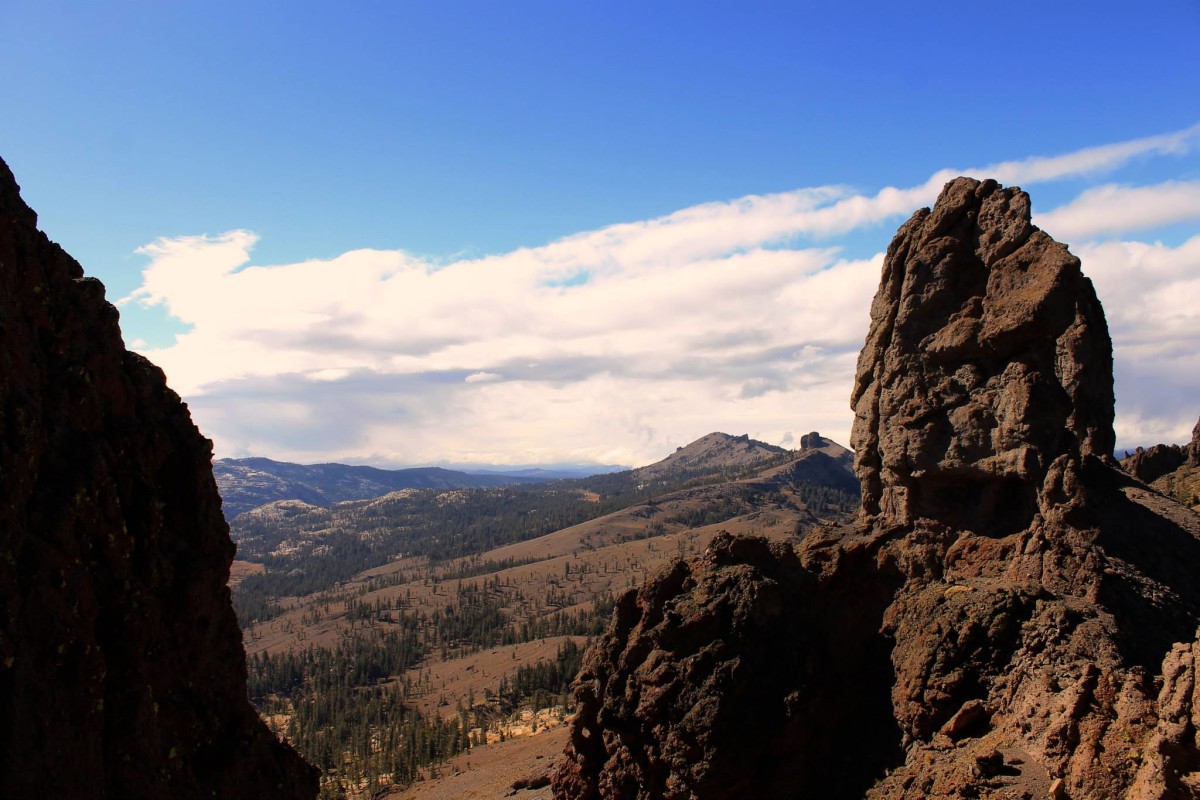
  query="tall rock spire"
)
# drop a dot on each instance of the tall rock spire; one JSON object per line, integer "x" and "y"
{"x": 987, "y": 371}
{"x": 1011, "y": 616}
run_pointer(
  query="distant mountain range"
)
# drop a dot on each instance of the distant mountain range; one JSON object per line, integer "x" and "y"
{"x": 546, "y": 473}
{"x": 302, "y": 547}
{"x": 247, "y": 483}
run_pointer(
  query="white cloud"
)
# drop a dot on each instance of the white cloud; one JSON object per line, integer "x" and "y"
{"x": 614, "y": 345}
{"x": 1092, "y": 160}
{"x": 1149, "y": 293}
{"x": 1113, "y": 209}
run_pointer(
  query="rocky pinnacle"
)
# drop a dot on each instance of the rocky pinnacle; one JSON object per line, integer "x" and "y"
{"x": 987, "y": 373}
{"x": 1011, "y": 615}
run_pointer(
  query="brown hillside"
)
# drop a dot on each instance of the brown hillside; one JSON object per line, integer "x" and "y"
{"x": 712, "y": 453}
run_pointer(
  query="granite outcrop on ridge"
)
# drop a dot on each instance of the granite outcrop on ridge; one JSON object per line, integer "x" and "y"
{"x": 122, "y": 673}
{"x": 1011, "y": 615}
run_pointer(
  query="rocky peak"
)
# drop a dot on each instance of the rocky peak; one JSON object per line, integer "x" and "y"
{"x": 812, "y": 441}
{"x": 1172, "y": 469}
{"x": 986, "y": 376}
{"x": 1148, "y": 464}
{"x": 122, "y": 672}
{"x": 711, "y": 453}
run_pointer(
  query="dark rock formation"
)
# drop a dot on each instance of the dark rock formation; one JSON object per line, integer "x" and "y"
{"x": 709, "y": 680}
{"x": 1012, "y": 616}
{"x": 122, "y": 673}
{"x": 1150, "y": 464}
{"x": 812, "y": 441}
{"x": 1172, "y": 469}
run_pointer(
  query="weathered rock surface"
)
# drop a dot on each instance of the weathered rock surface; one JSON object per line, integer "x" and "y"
{"x": 987, "y": 372}
{"x": 1151, "y": 463}
{"x": 1012, "y": 616}
{"x": 1172, "y": 469}
{"x": 122, "y": 673}
{"x": 709, "y": 680}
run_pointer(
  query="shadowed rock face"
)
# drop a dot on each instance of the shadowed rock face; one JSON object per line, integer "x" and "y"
{"x": 1150, "y": 464}
{"x": 1012, "y": 615}
{"x": 122, "y": 672}
{"x": 711, "y": 676}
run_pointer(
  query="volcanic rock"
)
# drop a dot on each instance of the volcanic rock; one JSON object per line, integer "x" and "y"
{"x": 708, "y": 682}
{"x": 1150, "y": 464}
{"x": 122, "y": 672}
{"x": 1172, "y": 469}
{"x": 987, "y": 373}
{"x": 1011, "y": 615}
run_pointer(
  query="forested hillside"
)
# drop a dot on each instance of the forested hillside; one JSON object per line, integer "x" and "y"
{"x": 247, "y": 483}
{"x": 386, "y": 636}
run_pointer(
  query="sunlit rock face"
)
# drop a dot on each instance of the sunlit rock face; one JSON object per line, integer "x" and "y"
{"x": 986, "y": 376}
{"x": 122, "y": 673}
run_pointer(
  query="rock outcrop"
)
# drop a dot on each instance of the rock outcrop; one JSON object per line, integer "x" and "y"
{"x": 1011, "y": 616}
{"x": 710, "y": 679}
{"x": 122, "y": 672}
{"x": 987, "y": 373}
{"x": 1151, "y": 463}
{"x": 1172, "y": 469}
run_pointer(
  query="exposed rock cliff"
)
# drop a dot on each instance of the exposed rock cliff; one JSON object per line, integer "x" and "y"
{"x": 1011, "y": 617}
{"x": 122, "y": 673}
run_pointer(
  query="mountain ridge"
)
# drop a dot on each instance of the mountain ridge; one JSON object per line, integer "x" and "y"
{"x": 247, "y": 483}
{"x": 252, "y": 482}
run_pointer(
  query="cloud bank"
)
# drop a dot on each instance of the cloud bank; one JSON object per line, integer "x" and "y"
{"x": 617, "y": 345}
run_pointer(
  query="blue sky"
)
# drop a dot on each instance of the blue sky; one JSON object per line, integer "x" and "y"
{"x": 476, "y": 138}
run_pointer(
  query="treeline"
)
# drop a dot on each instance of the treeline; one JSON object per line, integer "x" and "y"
{"x": 325, "y": 546}
{"x": 349, "y": 708}
{"x": 369, "y": 738}
{"x": 544, "y": 684}
{"x": 359, "y": 661}
{"x": 827, "y": 499}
